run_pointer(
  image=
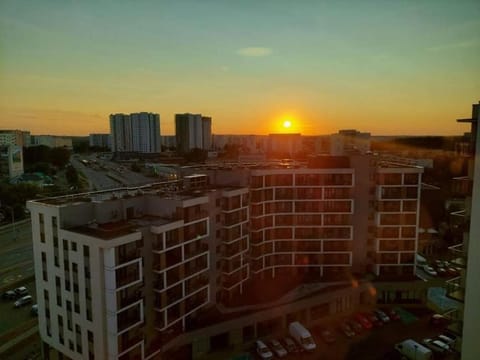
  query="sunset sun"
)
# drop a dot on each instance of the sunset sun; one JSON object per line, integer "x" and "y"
{"x": 287, "y": 124}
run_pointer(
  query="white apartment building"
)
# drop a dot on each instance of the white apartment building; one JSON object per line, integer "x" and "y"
{"x": 136, "y": 132}
{"x": 127, "y": 273}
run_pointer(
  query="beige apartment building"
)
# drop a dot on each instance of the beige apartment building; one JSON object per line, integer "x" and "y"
{"x": 137, "y": 272}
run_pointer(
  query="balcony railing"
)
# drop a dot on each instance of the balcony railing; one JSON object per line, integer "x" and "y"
{"x": 455, "y": 290}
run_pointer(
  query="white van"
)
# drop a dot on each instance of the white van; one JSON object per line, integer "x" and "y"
{"x": 302, "y": 336}
{"x": 413, "y": 350}
{"x": 263, "y": 351}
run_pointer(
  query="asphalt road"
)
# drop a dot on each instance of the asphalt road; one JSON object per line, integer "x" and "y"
{"x": 11, "y": 316}
{"x": 16, "y": 254}
{"x": 104, "y": 174}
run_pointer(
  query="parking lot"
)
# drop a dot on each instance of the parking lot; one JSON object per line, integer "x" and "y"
{"x": 12, "y": 317}
{"x": 376, "y": 343}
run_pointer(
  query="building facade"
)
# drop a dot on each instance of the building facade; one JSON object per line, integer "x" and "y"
{"x": 11, "y": 161}
{"x": 136, "y": 132}
{"x": 463, "y": 288}
{"x": 15, "y": 137}
{"x": 193, "y": 131}
{"x": 131, "y": 273}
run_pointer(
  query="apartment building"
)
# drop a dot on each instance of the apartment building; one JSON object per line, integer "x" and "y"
{"x": 136, "y": 132}
{"x": 193, "y": 131}
{"x": 15, "y": 137}
{"x": 127, "y": 273}
{"x": 463, "y": 289}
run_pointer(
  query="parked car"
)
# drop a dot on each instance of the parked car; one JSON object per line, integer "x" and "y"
{"x": 263, "y": 351}
{"x": 356, "y": 326}
{"x": 446, "y": 339}
{"x": 392, "y": 314}
{"x": 289, "y": 344}
{"x": 382, "y": 315}
{"x": 363, "y": 320}
{"x": 439, "y": 320}
{"x": 374, "y": 319}
{"x": 346, "y": 329}
{"x": 21, "y": 291}
{"x": 327, "y": 336}
{"x": 451, "y": 271}
{"x": 27, "y": 299}
{"x": 430, "y": 270}
{"x": 436, "y": 345}
{"x": 278, "y": 349}
{"x": 413, "y": 350}
{"x": 34, "y": 310}
{"x": 9, "y": 295}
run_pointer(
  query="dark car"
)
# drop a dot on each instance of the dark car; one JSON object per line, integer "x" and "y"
{"x": 356, "y": 326}
{"x": 376, "y": 322}
{"x": 290, "y": 345}
{"x": 392, "y": 314}
{"x": 439, "y": 320}
{"x": 9, "y": 295}
{"x": 381, "y": 315}
{"x": 347, "y": 330}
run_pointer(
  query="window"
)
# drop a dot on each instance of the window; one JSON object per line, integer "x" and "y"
{"x": 44, "y": 266}
{"x": 74, "y": 246}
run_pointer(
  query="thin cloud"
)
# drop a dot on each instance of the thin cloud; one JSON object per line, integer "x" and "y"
{"x": 254, "y": 51}
{"x": 457, "y": 45}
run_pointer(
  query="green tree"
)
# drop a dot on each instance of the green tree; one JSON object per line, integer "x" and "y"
{"x": 71, "y": 175}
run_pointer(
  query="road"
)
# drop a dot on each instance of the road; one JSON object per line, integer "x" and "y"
{"x": 105, "y": 174}
{"x": 16, "y": 254}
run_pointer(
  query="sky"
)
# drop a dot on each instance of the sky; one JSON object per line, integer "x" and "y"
{"x": 386, "y": 67}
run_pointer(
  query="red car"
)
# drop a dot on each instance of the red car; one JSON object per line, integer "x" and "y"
{"x": 392, "y": 314}
{"x": 362, "y": 319}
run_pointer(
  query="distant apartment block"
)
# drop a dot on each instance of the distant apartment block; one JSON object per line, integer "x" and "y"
{"x": 52, "y": 141}
{"x": 193, "y": 131}
{"x": 169, "y": 141}
{"x": 99, "y": 140}
{"x": 252, "y": 144}
{"x": 284, "y": 145}
{"x": 129, "y": 273}
{"x": 15, "y": 137}
{"x": 136, "y": 132}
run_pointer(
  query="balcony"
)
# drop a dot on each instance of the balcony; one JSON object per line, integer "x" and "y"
{"x": 130, "y": 297}
{"x": 455, "y": 290}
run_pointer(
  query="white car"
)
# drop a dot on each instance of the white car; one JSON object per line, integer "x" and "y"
{"x": 278, "y": 349}
{"x": 23, "y": 301}
{"x": 430, "y": 270}
{"x": 437, "y": 345}
{"x": 263, "y": 351}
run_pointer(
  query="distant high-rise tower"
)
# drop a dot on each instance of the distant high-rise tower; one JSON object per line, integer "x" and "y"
{"x": 137, "y": 132}
{"x": 193, "y": 131}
